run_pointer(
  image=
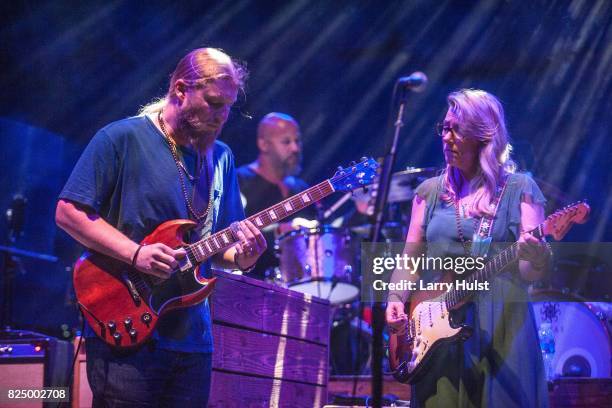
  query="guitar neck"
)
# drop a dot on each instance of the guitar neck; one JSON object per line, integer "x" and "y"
{"x": 494, "y": 267}
{"x": 221, "y": 240}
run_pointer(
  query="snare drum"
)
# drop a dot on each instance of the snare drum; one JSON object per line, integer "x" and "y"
{"x": 321, "y": 262}
{"x": 582, "y": 338}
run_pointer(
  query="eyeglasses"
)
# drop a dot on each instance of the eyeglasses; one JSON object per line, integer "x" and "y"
{"x": 443, "y": 128}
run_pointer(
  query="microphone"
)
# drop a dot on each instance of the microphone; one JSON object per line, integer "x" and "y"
{"x": 417, "y": 82}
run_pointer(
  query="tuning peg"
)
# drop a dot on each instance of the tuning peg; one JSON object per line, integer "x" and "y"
{"x": 339, "y": 168}
{"x": 364, "y": 159}
{"x": 353, "y": 163}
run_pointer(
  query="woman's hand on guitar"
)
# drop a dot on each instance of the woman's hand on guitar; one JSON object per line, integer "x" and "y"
{"x": 531, "y": 249}
{"x": 396, "y": 317}
{"x": 157, "y": 259}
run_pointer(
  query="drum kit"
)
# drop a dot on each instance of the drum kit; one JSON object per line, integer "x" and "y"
{"x": 575, "y": 302}
{"x": 581, "y": 330}
{"x": 325, "y": 262}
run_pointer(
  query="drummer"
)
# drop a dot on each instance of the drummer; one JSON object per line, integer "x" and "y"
{"x": 272, "y": 177}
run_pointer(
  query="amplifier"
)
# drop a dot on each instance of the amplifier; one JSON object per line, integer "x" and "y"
{"x": 31, "y": 360}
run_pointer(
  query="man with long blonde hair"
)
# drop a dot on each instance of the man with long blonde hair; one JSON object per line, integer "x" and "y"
{"x": 136, "y": 173}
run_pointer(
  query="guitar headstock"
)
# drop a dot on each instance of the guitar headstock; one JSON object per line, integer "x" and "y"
{"x": 559, "y": 223}
{"x": 357, "y": 175}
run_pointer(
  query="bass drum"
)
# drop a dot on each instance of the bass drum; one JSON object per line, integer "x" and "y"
{"x": 581, "y": 332}
{"x": 321, "y": 262}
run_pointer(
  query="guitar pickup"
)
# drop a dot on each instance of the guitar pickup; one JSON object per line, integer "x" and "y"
{"x": 185, "y": 264}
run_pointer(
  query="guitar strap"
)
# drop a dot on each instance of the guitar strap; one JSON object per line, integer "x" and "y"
{"x": 204, "y": 227}
{"x": 481, "y": 240}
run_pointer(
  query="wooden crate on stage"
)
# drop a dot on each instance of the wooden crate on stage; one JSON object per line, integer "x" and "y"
{"x": 361, "y": 385}
{"x": 271, "y": 345}
{"x": 350, "y": 391}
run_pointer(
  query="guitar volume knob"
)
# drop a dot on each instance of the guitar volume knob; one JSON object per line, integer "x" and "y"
{"x": 117, "y": 337}
{"x": 146, "y": 318}
{"x": 128, "y": 323}
{"x": 133, "y": 333}
{"x": 112, "y": 326}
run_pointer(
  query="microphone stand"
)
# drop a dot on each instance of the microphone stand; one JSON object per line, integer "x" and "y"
{"x": 377, "y": 219}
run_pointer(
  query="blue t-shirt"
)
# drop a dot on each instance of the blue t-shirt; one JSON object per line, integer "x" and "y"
{"x": 128, "y": 176}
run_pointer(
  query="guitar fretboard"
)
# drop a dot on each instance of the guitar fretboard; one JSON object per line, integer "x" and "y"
{"x": 495, "y": 266}
{"x": 221, "y": 240}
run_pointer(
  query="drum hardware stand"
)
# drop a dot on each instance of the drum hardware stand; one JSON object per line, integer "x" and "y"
{"x": 377, "y": 220}
{"x": 320, "y": 217}
{"x": 334, "y": 207}
{"x": 316, "y": 262}
{"x": 334, "y": 281}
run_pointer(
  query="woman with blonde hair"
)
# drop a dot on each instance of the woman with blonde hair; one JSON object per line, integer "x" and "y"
{"x": 500, "y": 364}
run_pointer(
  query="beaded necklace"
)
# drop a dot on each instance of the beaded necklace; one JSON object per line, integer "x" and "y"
{"x": 481, "y": 233}
{"x": 466, "y": 244}
{"x": 181, "y": 169}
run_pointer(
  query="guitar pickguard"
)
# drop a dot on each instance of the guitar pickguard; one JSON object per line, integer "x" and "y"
{"x": 182, "y": 283}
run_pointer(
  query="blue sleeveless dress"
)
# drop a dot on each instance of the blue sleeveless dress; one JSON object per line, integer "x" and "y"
{"x": 500, "y": 365}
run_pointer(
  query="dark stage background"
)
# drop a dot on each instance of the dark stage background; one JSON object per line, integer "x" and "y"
{"x": 68, "y": 68}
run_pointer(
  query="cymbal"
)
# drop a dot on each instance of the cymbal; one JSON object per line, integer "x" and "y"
{"x": 404, "y": 182}
{"x": 401, "y": 188}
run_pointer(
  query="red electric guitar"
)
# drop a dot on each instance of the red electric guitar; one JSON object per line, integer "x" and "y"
{"x": 429, "y": 322}
{"x": 123, "y": 305}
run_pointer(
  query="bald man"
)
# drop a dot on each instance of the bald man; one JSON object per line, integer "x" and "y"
{"x": 272, "y": 177}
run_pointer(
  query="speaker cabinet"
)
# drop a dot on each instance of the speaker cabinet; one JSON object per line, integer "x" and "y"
{"x": 81, "y": 392}
{"x": 30, "y": 360}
